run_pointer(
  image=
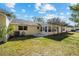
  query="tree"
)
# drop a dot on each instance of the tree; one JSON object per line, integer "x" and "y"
{"x": 10, "y": 29}
{"x": 38, "y": 19}
{"x": 2, "y": 32}
{"x": 55, "y": 20}
{"x": 75, "y": 13}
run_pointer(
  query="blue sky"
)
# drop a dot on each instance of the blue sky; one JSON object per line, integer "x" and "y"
{"x": 47, "y": 10}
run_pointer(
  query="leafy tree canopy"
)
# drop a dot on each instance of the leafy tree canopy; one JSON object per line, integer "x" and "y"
{"x": 38, "y": 19}
{"x": 75, "y": 13}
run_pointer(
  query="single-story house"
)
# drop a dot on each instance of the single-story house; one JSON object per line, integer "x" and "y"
{"x": 23, "y": 27}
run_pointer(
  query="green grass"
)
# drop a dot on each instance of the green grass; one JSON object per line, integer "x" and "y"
{"x": 59, "y": 45}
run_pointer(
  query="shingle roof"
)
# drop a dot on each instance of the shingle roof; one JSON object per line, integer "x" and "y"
{"x": 20, "y": 21}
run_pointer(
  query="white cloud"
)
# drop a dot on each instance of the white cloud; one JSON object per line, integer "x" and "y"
{"x": 13, "y": 10}
{"x": 61, "y": 13}
{"x": 62, "y": 17}
{"x": 68, "y": 8}
{"x": 44, "y": 7}
{"x": 49, "y": 16}
{"x": 49, "y": 7}
{"x": 73, "y": 4}
{"x": 23, "y": 10}
{"x": 37, "y": 6}
{"x": 10, "y": 5}
{"x": 41, "y": 12}
{"x": 68, "y": 13}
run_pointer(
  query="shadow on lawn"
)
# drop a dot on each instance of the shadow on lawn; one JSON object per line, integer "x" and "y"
{"x": 1, "y": 43}
{"x": 21, "y": 38}
{"x": 59, "y": 37}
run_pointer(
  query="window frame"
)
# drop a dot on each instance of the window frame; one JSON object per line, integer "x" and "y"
{"x": 49, "y": 29}
{"x": 22, "y": 28}
{"x": 45, "y": 28}
{"x": 25, "y": 28}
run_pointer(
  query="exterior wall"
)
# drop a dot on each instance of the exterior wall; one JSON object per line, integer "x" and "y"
{"x": 63, "y": 29}
{"x": 2, "y": 23}
{"x": 31, "y": 29}
{"x": 2, "y": 20}
{"x": 75, "y": 27}
{"x": 52, "y": 27}
{"x": 59, "y": 29}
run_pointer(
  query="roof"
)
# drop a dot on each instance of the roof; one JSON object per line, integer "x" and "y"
{"x": 20, "y": 21}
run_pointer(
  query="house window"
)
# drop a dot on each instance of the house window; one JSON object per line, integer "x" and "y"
{"x": 20, "y": 28}
{"x": 37, "y": 27}
{"x": 49, "y": 29}
{"x": 41, "y": 29}
{"x": 25, "y": 27}
{"x": 46, "y": 29}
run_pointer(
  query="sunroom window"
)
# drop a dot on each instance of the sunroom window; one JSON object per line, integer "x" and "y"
{"x": 46, "y": 29}
{"x": 49, "y": 29}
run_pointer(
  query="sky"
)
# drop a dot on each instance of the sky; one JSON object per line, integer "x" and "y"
{"x": 47, "y": 10}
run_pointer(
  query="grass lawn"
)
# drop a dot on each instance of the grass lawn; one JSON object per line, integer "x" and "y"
{"x": 64, "y": 44}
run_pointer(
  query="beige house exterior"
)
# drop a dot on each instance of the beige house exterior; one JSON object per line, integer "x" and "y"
{"x": 26, "y": 27}
{"x": 32, "y": 28}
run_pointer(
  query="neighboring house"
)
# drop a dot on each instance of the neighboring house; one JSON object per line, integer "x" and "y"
{"x": 4, "y": 21}
{"x": 69, "y": 28}
{"x": 23, "y": 27}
